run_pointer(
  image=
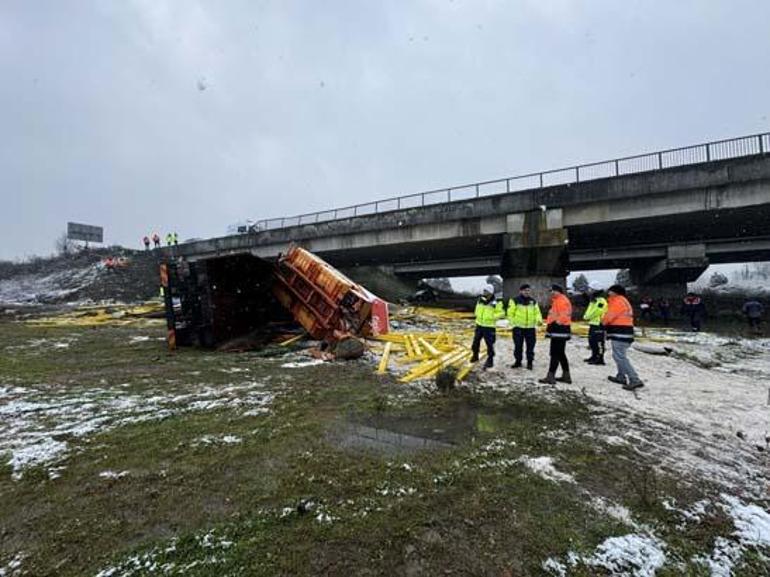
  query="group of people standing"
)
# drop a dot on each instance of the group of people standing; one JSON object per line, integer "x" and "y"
{"x": 610, "y": 318}
{"x": 172, "y": 238}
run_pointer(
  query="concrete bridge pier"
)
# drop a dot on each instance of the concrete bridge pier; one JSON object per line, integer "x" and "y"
{"x": 534, "y": 252}
{"x": 668, "y": 277}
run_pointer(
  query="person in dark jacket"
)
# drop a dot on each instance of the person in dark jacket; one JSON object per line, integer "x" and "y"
{"x": 753, "y": 310}
{"x": 694, "y": 309}
{"x": 664, "y": 307}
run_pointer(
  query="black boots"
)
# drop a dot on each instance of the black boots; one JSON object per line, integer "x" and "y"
{"x": 516, "y": 365}
{"x": 594, "y": 360}
{"x": 548, "y": 380}
{"x": 633, "y": 385}
{"x": 529, "y": 365}
{"x": 564, "y": 378}
{"x": 618, "y": 380}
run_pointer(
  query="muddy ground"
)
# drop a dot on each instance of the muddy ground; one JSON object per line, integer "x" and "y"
{"x": 121, "y": 459}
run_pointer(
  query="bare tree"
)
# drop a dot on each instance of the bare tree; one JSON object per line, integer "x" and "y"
{"x": 64, "y": 245}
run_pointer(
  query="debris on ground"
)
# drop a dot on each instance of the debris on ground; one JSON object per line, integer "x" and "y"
{"x": 148, "y": 313}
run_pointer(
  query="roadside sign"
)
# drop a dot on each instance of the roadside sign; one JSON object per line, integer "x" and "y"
{"x": 86, "y": 232}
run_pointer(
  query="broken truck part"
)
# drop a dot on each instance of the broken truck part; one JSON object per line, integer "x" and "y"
{"x": 324, "y": 301}
{"x": 214, "y": 300}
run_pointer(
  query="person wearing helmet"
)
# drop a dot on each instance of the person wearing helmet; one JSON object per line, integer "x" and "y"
{"x": 593, "y": 315}
{"x": 488, "y": 311}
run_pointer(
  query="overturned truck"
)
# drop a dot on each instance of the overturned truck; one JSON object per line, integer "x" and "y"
{"x": 215, "y": 300}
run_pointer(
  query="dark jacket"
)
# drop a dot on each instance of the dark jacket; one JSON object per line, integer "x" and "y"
{"x": 693, "y": 307}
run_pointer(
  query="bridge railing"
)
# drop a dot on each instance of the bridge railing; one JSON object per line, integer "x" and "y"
{"x": 707, "y": 152}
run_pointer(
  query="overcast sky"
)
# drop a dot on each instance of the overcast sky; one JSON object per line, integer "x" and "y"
{"x": 156, "y": 115}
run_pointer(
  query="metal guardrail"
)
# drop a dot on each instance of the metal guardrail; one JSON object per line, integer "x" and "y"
{"x": 710, "y": 151}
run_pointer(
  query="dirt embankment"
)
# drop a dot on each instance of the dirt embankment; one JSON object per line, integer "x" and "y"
{"x": 81, "y": 276}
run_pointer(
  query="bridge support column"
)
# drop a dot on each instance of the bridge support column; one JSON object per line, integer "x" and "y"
{"x": 669, "y": 277}
{"x": 535, "y": 252}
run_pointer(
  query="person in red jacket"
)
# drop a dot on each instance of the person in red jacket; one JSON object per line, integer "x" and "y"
{"x": 558, "y": 329}
{"x": 618, "y": 323}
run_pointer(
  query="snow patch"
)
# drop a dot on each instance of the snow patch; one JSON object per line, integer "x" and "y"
{"x": 113, "y": 474}
{"x": 632, "y": 555}
{"x": 13, "y": 567}
{"x": 300, "y": 364}
{"x": 543, "y": 466}
{"x": 38, "y": 423}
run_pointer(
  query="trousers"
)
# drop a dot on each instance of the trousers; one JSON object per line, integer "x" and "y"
{"x": 620, "y": 356}
{"x": 558, "y": 354}
{"x": 521, "y": 337}
{"x": 596, "y": 341}
{"x": 488, "y": 335}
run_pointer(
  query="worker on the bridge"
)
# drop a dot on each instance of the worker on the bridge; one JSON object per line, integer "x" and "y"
{"x": 618, "y": 322}
{"x": 525, "y": 316}
{"x": 694, "y": 309}
{"x": 146, "y": 241}
{"x": 593, "y": 315}
{"x": 753, "y": 309}
{"x": 156, "y": 239}
{"x": 488, "y": 311}
{"x": 169, "y": 239}
{"x": 558, "y": 329}
{"x": 175, "y": 237}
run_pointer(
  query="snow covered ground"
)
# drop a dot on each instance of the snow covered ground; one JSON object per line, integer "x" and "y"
{"x": 711, "y": 423}
{"x": 47, "y": 288}
{"x": 38, "y": 423}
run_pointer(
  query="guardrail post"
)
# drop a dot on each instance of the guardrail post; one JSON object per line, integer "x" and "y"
{"x": 708, "y": 153}
{"x": 316, "y": 217}
{"x": 422, "y": 199}
{"x": 477, "y": 191}
{"x": 761, "y": 144}
{"x": 398, "y": 203}
{"x": 335, "y": 214}
{"x": 541, "y": 179}
{"x": 660, "y": 161}
{"x": 283, "y": 223}
{"x": 355, "y": 210}
{"x": 577, "y": 174}
{"x": 507, "y": 185}
{"x": 617, "y": 172}
{"x": 449, "y": 195}
{"x": 376, "y": 206}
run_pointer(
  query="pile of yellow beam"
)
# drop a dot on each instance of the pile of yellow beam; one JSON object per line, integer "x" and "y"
{"x": 427, "y": 353}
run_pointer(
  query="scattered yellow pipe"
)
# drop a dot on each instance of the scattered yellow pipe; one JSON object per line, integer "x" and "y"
{"x": 384, "y": 360}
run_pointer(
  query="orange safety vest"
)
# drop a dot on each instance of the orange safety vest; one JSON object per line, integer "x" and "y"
{"x": 561, "y": 311}
{"x": 619, "y": 312}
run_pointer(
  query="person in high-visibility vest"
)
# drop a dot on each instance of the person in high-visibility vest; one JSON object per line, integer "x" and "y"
{"x": 593, "y": 315}
{"x": 524, "y": 315}
{"x": 558, "y": 329}
{"x": 488, "y": 311}
{"x": 169, "y": 239}
{"x": 175, "y": 236}
{"x": 618, "y": 321}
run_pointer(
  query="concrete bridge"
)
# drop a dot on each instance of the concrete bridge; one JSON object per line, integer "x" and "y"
{"x": 666, "y": 216}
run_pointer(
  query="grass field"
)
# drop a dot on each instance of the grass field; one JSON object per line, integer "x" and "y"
{"x": 122, "y": 459}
